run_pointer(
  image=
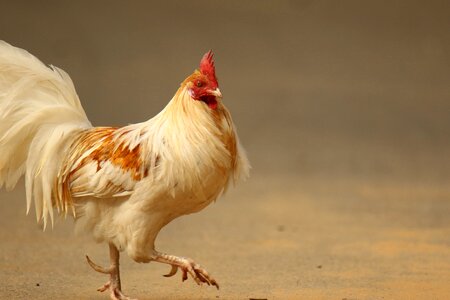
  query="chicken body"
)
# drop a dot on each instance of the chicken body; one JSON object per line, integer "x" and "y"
{"x": 121, "y": 184}
{"x": 160, "y": 179}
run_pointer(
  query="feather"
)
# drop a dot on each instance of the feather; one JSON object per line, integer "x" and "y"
{"x": 39, "y": 110}
{"x": 121, "y": 184}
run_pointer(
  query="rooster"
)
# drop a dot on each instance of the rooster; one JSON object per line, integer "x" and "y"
{"x": 122, "y": 185}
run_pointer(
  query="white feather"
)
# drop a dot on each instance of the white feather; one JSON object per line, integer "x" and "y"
{"x": 39, "y": 111}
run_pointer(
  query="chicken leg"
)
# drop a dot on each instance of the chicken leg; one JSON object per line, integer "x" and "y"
{"x": 114, "y": 280}
{"x": 187, "y": 265}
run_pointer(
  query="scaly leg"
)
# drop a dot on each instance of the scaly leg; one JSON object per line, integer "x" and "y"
{"x": 114, "y": 280}
{"x": 187, "y": 265}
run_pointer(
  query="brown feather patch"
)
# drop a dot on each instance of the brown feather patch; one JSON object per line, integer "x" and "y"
{"x": 107, "y": 149}
{"x": 102, "y": 145}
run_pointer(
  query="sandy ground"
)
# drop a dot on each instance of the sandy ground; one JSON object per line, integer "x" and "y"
{"x": 342, "y": 106}
{"x": 289, "y": 239}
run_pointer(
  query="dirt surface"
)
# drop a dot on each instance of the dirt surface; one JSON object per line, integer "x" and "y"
{"x": 343, "y": 108}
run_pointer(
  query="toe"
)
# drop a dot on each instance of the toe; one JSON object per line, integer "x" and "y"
{"x": 104, "y": 287}
{"x": 117, "y": 294}
{"x": 172, "y": 272}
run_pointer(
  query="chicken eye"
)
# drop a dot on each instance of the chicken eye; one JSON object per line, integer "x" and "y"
{"x": 199, "y": 83}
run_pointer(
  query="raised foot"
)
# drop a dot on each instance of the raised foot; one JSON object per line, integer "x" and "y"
{"x": 187, "y": 265}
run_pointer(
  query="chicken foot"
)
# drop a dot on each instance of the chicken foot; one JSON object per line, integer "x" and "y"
{"x": 113, "y": 284}
{"x": 186, "y": 265}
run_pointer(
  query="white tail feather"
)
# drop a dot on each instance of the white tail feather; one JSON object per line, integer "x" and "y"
{"x": 39, "y": 113}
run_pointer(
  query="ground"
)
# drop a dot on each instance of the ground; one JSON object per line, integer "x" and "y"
{"x": 343, "y": 108}
{"x": 290, "y": 238}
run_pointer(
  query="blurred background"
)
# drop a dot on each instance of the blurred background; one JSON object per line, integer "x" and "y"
{"x": 343, "y": 107}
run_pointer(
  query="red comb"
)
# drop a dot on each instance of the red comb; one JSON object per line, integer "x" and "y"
{"x": 207, "y": 66}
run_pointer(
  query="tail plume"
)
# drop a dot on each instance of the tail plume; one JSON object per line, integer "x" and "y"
{"x": 39, "y": 113}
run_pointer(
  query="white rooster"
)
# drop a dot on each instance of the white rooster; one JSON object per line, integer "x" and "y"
{"x": 120, "y": 184}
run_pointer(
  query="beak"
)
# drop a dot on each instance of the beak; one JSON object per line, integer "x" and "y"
{"x": 216, "y": 93}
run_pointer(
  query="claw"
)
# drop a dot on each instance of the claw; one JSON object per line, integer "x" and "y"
{"x": 172, "y": 272}
{"x": 104, "y": 287}
{"x": 203, "y": 279}
{"x": 188, "y": 268}
{"x": 97, "y": 267}
{"x": 214, "y": 283}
